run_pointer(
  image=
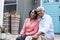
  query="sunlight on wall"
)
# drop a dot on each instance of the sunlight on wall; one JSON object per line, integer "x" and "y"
{"x": 1, "y": 11}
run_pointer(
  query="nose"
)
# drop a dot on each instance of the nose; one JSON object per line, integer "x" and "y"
{"x": 38, "y": 12}
{"x": 32, "y": 13}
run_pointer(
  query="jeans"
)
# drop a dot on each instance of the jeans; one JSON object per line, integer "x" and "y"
{"x": 22, "y": 37}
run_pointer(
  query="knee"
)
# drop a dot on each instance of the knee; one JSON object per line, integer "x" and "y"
{"x": 28, "y": 38}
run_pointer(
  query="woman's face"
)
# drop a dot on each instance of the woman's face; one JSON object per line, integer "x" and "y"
{"x": 32, "y": 15}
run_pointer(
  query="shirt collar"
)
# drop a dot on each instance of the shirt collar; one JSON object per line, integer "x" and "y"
{"x": 43, "y": 16}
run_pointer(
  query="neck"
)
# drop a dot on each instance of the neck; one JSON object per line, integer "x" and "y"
{"x": 42, "y": 15}
{"x": 31, "y": 18}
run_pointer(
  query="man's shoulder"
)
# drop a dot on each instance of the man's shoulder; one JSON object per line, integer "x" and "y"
{"x": 48, "y": 16}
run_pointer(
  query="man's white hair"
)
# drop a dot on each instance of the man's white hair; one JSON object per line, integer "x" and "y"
{"x": 40, "y": 7}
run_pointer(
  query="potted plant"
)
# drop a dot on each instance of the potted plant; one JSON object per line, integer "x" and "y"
{"x": 3, "y": 33}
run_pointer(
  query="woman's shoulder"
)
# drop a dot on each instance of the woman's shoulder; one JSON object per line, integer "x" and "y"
{"x": 27, "y": 19}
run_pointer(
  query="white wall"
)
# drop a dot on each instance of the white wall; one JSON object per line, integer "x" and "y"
{"x": 10, "y": 0}
{"x": 1, "y": 11}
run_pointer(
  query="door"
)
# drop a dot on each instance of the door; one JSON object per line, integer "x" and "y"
{"x": 53, "y": 8}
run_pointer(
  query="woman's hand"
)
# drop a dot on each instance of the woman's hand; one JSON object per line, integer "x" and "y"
{"x": 19, "y": 36}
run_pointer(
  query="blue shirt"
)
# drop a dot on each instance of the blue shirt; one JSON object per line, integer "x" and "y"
{"x": 46, "y": 25}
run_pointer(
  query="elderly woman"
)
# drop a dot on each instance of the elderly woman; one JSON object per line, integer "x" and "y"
{"x": 30, "y": 26}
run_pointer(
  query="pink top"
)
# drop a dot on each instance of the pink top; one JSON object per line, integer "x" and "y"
{"x": 30, "y": 27}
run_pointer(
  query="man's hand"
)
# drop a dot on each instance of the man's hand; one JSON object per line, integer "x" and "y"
{"x": 35, "y": 36}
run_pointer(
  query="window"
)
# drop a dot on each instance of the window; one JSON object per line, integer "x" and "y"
{"x": 56, "y": 0}
{"x": 8, "y": 8}
{"x": 10, "y": 5}
{"x": 48, "y": 1}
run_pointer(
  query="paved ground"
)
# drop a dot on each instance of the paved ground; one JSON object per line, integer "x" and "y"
{"x": 13, "y": 37}
{"x": 57, "y": 37}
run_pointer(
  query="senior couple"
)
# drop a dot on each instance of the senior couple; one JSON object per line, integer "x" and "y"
{"x": 37, "y": 29}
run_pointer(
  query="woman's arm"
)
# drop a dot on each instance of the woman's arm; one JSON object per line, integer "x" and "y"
{"x": 35, "y": 30}
{"x": 24, "y": 28}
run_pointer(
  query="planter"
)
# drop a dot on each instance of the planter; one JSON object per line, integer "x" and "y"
{"x": 3, "y": 35}
{"x": 8, "y": 36}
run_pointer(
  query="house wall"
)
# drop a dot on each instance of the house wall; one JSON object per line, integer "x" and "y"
{"x": 23, "y": 8}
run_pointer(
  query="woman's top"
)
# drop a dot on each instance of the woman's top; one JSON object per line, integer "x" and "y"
{"x": 30, "y": 27}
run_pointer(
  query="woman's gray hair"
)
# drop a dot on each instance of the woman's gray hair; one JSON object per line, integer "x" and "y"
{"x": 40, "y": 7}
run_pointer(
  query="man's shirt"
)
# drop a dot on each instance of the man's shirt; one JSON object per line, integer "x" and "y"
{"x": 46, "y": 25}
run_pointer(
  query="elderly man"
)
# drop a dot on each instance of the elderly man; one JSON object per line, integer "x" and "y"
{"x": 46, "y": 30}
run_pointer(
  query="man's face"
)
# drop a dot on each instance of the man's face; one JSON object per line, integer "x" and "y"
{"x": 40, "y": 12}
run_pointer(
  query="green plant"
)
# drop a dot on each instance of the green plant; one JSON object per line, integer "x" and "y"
{"x": 3, "y": 30}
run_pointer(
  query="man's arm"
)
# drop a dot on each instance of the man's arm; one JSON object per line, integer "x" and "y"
{"x": 45, "y": 27}
{"x": 38, "y": 34}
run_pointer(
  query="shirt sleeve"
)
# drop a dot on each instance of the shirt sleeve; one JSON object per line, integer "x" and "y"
{"x": 24, "y": 27}
{"x": 46, "y": 25}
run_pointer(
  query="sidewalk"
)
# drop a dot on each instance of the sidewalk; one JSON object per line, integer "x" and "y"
{"x": 13, "y": 37}
{"x": 57, "y": 37}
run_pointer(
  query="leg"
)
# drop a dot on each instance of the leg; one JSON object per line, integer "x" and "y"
{"x": 28, "y": 38}
{"x": 23, "y": 37}
{"x": 40, "y": 38}
{"x": 45, "y": 38}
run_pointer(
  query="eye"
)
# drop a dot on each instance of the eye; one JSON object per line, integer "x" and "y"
{"x": 32, "y": 12}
